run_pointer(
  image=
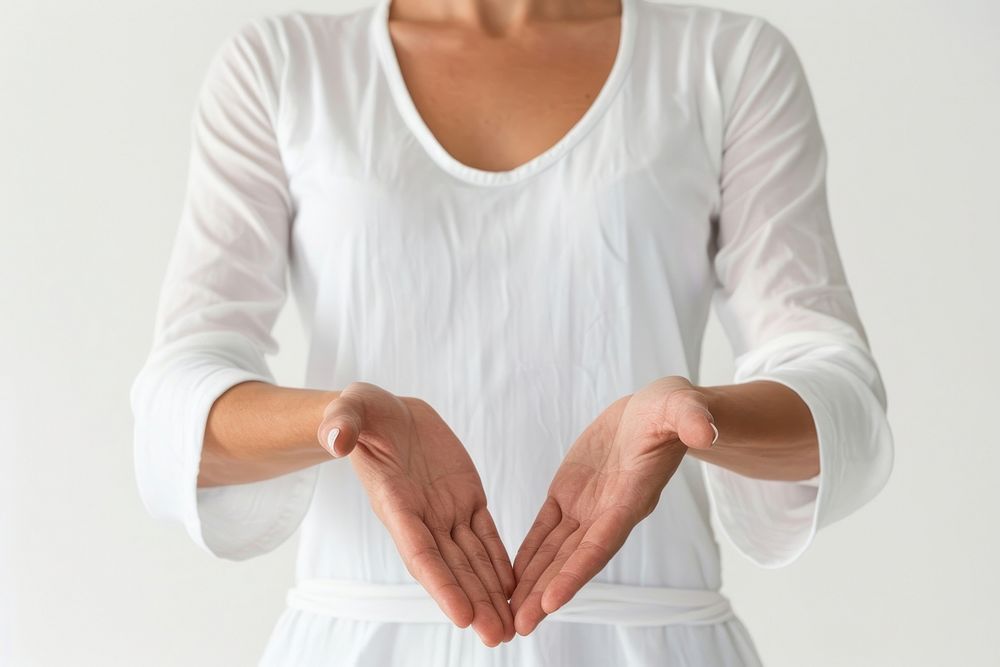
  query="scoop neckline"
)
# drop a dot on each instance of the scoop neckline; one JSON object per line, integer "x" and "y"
{"x": 379, "y": 26}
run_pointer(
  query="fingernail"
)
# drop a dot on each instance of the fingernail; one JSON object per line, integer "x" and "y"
{"x": 716, "y": 432}
{"x": 331, "y": 439}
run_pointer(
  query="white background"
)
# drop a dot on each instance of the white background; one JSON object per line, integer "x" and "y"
{"x": 95, "y": 100}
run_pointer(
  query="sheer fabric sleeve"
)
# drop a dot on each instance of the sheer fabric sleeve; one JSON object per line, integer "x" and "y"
{"x": 784, "y": 302}
{"x": 224, "y": 287}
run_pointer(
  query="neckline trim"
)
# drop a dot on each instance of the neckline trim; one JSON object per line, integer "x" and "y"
{"x": 379, "y": 28}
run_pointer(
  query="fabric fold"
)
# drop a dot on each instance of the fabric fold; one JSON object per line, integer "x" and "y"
{"x": 784, "y": 301}
{"x": 772, "y": 522}
{"x": 225, "y": 284}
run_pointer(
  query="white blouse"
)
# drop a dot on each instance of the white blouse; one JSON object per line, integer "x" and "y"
{"x": 519, "y": 304}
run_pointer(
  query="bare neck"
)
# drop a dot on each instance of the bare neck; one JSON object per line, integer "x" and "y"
{"x": 501, "y": 17}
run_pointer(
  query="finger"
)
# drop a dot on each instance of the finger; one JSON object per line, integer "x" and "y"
{"x": 485, "y": 621}
{"x": 601, "y": 541}
{"x": 530, "y": 613}
{"x": 340, "y": 428}
{"x": 693, "y": 422}
{"x": 540, "y": 560}
{"x": 482, "y": 565}
{"x": 484, "y": 527}
{"x": 424, "y": 560}
{"x": 546, "y": 520}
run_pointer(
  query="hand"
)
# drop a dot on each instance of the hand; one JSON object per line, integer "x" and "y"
{"x": 425, "y": 489}
{"x": 610, "y": 480}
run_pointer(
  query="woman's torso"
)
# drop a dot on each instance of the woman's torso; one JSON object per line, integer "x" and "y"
{"x": 519, "y": 304}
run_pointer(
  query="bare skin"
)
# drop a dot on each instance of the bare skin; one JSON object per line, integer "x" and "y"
{"x": 613, "y": 474}
{"x": 419, "y": 478}
{"x": 425, "y": 489}
{"x": 498, "y": 82}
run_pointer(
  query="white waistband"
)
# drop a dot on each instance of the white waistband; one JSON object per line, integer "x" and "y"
{"x": 601, "y": 603}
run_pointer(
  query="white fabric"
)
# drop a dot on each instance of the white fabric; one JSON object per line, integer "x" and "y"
{"x": 596, "y": 602}
{"x": 519, "y": 304}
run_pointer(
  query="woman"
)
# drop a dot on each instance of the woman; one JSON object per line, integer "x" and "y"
{"x": 506, "y": 224}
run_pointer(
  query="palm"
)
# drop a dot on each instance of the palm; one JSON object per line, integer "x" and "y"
{"x": 425, "y": 488}
{"x": 610, "y": 480}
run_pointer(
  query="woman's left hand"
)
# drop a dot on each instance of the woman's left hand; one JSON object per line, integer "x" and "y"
{"x": 609, "y": 481}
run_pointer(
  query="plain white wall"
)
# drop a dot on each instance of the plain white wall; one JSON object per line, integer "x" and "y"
{"x": 95, "y": 100}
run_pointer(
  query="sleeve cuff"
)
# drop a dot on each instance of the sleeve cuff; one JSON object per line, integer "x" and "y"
{"x": 241, "y": 521}
{"x": 773, "y": 522}
{"x": 171, "y": 406}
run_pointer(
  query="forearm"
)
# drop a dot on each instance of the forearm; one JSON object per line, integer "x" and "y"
{"x": 765, "y": 429}
{"x": 257, "y": 430}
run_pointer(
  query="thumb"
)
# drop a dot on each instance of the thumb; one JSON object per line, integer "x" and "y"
{"x": 696, "y": 425}
{"x": 341, "y": 426}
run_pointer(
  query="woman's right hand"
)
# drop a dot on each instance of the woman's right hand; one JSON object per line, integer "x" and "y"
{"x": 424, "y": 487}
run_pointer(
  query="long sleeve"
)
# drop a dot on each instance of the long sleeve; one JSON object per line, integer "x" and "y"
{"x": 784, "y": 302}
{"x": 224, "y": 287}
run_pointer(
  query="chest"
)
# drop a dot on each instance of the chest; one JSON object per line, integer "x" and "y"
{"x": 625, "y": 199}
{"x": 496, "y": 103}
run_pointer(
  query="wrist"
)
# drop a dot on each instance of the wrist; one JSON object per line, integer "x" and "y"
{"x": 316, "y": 403}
